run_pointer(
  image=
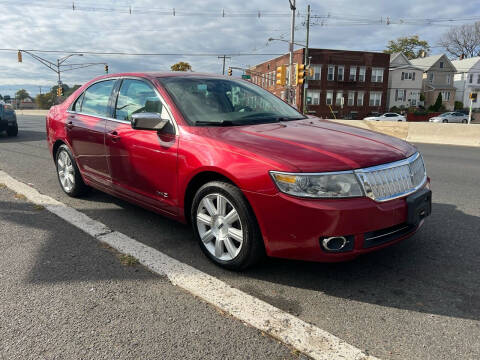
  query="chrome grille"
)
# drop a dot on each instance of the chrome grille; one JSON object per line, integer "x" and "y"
{"x": 393, "y": 180}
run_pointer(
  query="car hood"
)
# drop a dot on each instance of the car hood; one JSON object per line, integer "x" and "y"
{"x": 313, "y": 145}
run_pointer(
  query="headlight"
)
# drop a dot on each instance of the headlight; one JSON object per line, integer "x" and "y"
{"x": 327, "y": 185}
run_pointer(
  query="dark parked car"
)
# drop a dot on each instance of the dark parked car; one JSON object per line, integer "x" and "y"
{"x": 249, "y": 172}
{"x": 8, "y": 120}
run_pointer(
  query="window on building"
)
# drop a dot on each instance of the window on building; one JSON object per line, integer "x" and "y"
{"x": 340, "y": 72}
{"x": 431, "y": 77}
{"x": 361, "y": 74}
{"x": 478, "y": 79}
{"x": 339, "y": 98}
{"x": 445, "y": 95}
{"x": 331, "y": 73}
{"x": 377, "y": 75}
{"x": 470, "y": 78}
{"x": 317, "y": 72}
{"x": 360, "y": 98}
{"x": 313, "y": 97}
{"x": 441, "y": 64}
{"x": 375, "y": 98}
{"x": 400, "y": 95}
{"x": 449, "y": 79}
{"x": 353, "y": 73}
{"x": 329, "y": 98}
{"x": 351, "y": 98}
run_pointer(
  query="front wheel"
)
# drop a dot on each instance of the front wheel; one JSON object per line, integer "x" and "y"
{"x": 464, "y": 121}
{"x": 68, "y": 174}
{"x": 225, "y": 226}
{"x": 445, "y": 121}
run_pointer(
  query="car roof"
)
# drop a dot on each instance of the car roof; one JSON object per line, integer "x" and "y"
{"x": 160, "y": 74}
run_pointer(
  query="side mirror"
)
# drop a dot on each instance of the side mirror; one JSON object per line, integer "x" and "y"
{"x": 148, "y": 121}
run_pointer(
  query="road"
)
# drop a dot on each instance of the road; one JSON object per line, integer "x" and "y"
{"x": 419, "y": 299}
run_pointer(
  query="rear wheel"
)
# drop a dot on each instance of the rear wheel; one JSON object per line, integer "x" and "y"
{"x": 225, "y": 226}
{"x": 12, "y": 130}
{"x": 68, "y": 174}
{"x": 444, "y": 121}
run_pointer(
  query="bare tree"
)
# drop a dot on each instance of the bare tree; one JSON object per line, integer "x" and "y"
{"x": 462, "y": 41}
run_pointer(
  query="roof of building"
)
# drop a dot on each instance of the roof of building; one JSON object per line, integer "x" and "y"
{"x": 465, "y": 65}
{"x": 441, "y": 87}
{"x": 426, "y": 62}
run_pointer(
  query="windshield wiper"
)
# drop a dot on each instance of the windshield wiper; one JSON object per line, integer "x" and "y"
{"x": 215, "y": 123}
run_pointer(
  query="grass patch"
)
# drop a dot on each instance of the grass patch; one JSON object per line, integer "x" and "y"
{"x": 20, "y": 196}
{"x": 38, "y": 207}
{"x": 2, "y": 186}
{"x": 127, "y": 260}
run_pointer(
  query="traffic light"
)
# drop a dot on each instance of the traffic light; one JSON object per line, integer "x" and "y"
{"x": 59, "y": 91}
{"x": 106, "y": 69}
{"x": 281, "y": 75}
{"x": 473, "y": 96}
{"x": 229, "y": 71}
{"x": 19, "y": 55}
{"x": 299, "y": 73}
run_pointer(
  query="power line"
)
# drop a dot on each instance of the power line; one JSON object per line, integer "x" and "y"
{"x": 119, "y": 53}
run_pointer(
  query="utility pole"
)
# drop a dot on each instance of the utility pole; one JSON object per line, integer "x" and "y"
{"x": 224, "y": 57}
{"x": 290, "y": 94}
{"x": 307, "y": 65}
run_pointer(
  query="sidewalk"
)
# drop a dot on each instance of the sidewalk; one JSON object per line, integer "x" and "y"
{"x": 64, "y": 295}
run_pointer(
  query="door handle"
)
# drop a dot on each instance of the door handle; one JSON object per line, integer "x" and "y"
{"x": 113, "y": 135}
{"x": 69, "y": 125}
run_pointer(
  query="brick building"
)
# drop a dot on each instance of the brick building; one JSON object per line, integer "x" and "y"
{"x": 360, "y": 78}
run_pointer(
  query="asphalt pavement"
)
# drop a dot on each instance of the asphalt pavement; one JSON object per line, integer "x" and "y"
{"x": 66, "y": 296}
{"x": 419, "y": 299}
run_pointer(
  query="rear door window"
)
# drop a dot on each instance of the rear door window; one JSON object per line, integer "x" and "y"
{"x": 95, "y": 100}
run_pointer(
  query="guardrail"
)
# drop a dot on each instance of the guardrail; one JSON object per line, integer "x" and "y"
{"x": 430, "y": 133}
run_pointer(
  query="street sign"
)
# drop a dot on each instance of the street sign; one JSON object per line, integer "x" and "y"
{"x": 246, "y": 77}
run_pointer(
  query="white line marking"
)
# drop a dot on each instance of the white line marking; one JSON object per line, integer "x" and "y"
{"x": 306, "y": 338}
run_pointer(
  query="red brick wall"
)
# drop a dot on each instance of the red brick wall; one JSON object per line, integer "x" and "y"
{"x": 335, "y": 57}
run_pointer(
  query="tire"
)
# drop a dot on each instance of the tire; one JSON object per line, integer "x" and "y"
{"x": 68, "y": 174}
{"x": 12, "y": 130}
{"x": 445, "y": 121}
{"x": 222, "y": 233}
{"x": 464, "y": 121}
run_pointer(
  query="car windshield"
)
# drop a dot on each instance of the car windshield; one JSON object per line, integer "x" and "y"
{"x": 446, "y": 114}
{"x": 217, "y": 102}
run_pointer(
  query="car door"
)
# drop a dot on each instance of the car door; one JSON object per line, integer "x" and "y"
{"x": 86, "y": 130}
{"x": 143, "y": 163}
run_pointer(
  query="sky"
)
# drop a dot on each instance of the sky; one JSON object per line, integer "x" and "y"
{"x": 199, "y": 27}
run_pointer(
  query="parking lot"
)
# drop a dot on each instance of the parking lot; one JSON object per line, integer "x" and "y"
{"x": 418, "y": 299}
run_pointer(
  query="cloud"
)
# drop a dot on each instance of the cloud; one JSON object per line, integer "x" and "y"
{"x": 53, "y": 25}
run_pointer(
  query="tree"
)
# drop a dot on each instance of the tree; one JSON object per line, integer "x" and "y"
{"x": 44, "y": 101}
{"x": 22, "y": 94}
{"x": 1, "y": 97}
{"x": 412, "y": 47}
{"x": 70, "y": 91}
{"x": 181, "y": 66}
{"x": 438, "y": 103}
{"x": 462, "y": 40}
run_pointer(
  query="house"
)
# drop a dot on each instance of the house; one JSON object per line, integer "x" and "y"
{"x": 344, "y": 84}
{"x": 404, "y": 83}
{"x": 438, "y": 74}
{"x": 467, "y": 80}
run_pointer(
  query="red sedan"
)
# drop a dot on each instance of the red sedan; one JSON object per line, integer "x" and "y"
{"x": 250, "y": 173}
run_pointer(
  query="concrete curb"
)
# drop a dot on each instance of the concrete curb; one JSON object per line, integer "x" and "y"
{"x": 430, "y": 133}
{"x": 32, "y": 112}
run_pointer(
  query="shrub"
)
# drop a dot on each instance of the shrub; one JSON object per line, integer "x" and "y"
{"x": 458, "y": 105}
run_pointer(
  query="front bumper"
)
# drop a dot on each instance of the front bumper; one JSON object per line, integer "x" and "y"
{"x": 293, "y": 227}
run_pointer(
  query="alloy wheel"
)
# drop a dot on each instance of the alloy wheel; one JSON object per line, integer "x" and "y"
{"x": 219, "y": 227}
{"x": 66, "y": 171}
